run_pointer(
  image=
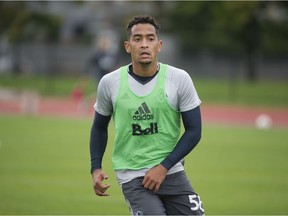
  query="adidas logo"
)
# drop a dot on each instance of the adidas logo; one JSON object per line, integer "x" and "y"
{"x": 125, "y": 96}
{"x": 143, "y": 113}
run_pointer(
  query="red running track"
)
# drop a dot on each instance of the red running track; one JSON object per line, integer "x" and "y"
{"x": 218, "y": 114}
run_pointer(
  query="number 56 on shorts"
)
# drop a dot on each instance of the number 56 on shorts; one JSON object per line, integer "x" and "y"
{"x": 196, "y": 203}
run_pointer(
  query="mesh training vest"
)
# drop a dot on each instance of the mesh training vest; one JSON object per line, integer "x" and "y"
{"x": 147, "y": 127}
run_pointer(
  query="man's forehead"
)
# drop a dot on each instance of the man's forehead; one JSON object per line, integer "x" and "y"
{"x": 143, "y": 29}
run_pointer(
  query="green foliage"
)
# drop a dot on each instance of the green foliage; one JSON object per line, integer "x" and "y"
{"x": 229, "y": 26}
{"x": 45, "y": 164}
{"x": 19, "y": 24}
{"x": 275, "y": 38}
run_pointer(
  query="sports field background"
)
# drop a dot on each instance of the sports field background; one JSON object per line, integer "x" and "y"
{"x": 237, "y": 169}
{"x": 44, "y": 166}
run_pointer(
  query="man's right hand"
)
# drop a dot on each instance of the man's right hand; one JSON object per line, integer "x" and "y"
{"x": 98, "y": 177}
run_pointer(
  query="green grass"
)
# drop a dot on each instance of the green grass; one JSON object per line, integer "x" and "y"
{"x": 241, "y": 170}
{"x": 60, "y": 86}
{"x": 44, "y": 169}
{"x": 263, "y": 93}
{"x": 260, "y": 93}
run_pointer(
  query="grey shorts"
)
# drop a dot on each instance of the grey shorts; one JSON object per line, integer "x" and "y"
{"x": 175, "y": 197}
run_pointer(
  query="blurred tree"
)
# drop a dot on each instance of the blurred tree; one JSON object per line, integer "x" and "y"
{"x": 20, "y": 24}
{"x": 242, "y": 24}
{"x": 274, "y": 25}
{"x": 231, "y": 27}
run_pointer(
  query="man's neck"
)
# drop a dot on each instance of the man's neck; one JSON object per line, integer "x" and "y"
{"x": 145, "y": 70}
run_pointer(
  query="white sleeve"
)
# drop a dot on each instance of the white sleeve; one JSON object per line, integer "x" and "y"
{"x": 180, "y": 90}
{"x": 187, "y": 94}
{"x": 103, "y": 103}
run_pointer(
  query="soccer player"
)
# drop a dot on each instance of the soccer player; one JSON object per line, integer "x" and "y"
{"x": 147, "y": 100}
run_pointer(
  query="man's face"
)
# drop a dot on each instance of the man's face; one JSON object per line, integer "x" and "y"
{"x": 143, "y": 44}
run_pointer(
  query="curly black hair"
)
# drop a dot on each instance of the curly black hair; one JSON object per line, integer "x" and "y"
{"x": 142, "y": 20}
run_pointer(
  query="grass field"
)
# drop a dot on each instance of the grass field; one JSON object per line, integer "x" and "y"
{"x": 44, "y": 169}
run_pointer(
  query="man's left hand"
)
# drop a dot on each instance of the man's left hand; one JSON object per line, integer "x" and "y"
{"x": 154, "y": 177}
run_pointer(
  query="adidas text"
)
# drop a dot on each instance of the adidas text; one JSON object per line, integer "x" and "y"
{"x": 137, "y": 130}
{"x": 143, "y": 117}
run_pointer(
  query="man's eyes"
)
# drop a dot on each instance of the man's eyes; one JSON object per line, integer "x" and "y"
{"x": 138, "y": 39}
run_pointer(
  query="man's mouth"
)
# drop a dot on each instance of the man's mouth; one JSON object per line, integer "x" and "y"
{"x": 144, "y": 53}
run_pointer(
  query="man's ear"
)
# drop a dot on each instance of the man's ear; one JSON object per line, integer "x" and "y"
{"x": 160, "y": 44}
{"x": 127, "y": 46}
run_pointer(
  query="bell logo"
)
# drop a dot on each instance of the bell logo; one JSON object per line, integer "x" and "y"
{"x": 138, "y": 131}
{"x": 143, "y": 113}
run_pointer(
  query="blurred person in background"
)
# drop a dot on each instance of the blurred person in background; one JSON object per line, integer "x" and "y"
{"x": 147, "y": 100}
{"x": 105, "y": 56}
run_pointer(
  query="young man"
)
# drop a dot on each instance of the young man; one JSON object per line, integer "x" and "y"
{"x": 147, "y": 99}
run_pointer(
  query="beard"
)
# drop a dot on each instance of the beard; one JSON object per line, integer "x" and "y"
{"x": 145, "y": 62}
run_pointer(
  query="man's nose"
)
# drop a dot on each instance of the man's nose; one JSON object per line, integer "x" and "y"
{"x": 144, "y": 44}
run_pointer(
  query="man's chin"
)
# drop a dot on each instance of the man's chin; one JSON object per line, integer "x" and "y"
{"x": 145, "y": 62}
